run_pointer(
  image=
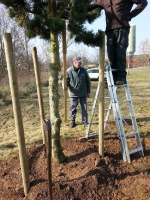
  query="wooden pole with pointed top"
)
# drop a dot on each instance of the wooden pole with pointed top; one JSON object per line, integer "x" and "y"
{"x": 101, "y": 97}
{"x": 17, "y": 110}
{"x": 39, "y": 91}
{"x": 64, "y": 70}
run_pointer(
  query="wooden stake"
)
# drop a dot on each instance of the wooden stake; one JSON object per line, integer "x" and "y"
{"x": 101, "y": 97}
{"x": 48, "y": 144}
{"x": 64, "y": 71}
{"x": 17, "y": 110}
{"x": 39, "y": 91}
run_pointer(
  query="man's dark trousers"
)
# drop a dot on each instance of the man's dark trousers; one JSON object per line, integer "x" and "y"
{"x": 73, "y": 107}
{"x": 117, "y": 43}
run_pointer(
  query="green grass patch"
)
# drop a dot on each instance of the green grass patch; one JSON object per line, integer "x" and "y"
{"x": 140, "y": 92}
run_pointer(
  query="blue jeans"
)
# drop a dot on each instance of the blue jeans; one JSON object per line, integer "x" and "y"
{"x": 73, "y": 108}
{"x": 117, "y": 43}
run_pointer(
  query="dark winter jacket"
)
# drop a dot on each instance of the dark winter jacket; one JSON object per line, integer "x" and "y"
{"x": 118, "y": 12}
{"x": 78, "y": 82}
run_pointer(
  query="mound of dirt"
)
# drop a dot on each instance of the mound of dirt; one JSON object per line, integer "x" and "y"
{"x": 84, "y": 175}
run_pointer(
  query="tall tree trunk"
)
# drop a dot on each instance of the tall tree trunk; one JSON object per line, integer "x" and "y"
{"x": 57, "y": 153}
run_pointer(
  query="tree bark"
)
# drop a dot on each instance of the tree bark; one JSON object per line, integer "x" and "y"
{"x": 57, "y": 153}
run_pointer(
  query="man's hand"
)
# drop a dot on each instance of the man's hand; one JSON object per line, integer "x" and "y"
{"x": 65, "y": 88}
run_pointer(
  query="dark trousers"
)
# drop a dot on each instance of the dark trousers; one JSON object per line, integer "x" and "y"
{"x": 117, "y": 43}
{"x": 73, "y": 107}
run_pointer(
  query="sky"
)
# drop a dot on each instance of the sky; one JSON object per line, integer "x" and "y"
{"x": 142, "y": 23}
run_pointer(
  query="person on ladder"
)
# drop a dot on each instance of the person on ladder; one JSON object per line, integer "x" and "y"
{"x": 78, "y": 83}
{"x": 118, "y": 14}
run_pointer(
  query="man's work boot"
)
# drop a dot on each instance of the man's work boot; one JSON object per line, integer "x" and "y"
{"x": 114, "y": 74}
{"x": 73, "y": 124}
{"x": 121, "y": 82}
{"x": 85, "y": 124}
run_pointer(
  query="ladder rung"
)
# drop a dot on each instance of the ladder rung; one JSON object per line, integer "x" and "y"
{"x": 127, "y": 117}
{"x": 121, "y": 85}
{"x": 92, "y": 134}
{"x": 135, "y": 150}
{"x": 94, "y": 123}
{"x": 107, "y": 97}
{"x": 106, "y": 109}
{"x": 124, "y": 101}
{"x": 131, "y": 134}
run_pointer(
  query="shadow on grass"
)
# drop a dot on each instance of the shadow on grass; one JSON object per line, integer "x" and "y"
{"x": 7, "y": 146}
{"x": 6, "y": 102}
{"x": 37, "y": 142}
{"x": 143, "y": 119}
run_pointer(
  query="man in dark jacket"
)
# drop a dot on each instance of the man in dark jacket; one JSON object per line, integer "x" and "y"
{"x": 118, "y": 14}
{"x": 78, "y": 83}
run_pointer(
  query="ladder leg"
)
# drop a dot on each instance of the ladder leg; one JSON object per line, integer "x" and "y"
{"x": 93, "y": 110}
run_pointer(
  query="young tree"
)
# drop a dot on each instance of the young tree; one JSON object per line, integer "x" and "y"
{"x": 46, "y": 19}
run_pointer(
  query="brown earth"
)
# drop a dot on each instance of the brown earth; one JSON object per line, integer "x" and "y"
{"x": 84, "y": 175}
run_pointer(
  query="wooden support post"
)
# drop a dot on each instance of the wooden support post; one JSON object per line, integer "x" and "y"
{"x": 64, "y": 71}
{"x": 101, "y": 97}
{"x": 39, "y": 91}
{"x": 48, "y": 143}
{"x": 17, "y": 110}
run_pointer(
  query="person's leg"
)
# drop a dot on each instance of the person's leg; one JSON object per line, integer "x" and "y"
{"x": 122, "y": 44}
{"x": 83, "y": 103}
{"x": 73, "y": 109}
{"x": 111, "y": 50}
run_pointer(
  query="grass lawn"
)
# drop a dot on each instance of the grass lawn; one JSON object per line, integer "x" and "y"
{"x": 139, "y": 83}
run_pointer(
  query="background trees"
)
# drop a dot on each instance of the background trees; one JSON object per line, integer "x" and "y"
{"x": 20, "y": 43}
{"x": 144, "y": 50}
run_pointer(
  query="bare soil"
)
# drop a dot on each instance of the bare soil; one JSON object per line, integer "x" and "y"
{"x": 84, "y": 175}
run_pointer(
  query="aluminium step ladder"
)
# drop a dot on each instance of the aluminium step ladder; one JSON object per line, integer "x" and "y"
{"x": 120, "y": 120}
{"x": 94, "y": 110}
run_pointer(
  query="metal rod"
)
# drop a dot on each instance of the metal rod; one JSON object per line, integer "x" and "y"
{"x": 47, "y": 131}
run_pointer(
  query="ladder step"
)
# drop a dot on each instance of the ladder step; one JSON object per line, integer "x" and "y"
{"x": 93, "y": 134}
{"x": 93, "y": 123}
{"x": 127, "y": 117}
{"x": 135, "y": 150}
{"x": 121, "y": 85}
{"x": 131, "y": 134}
{"x": 124, "y": 101}
{"x": 106, "y": 109}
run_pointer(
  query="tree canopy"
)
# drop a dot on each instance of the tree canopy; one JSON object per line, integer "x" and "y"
{"x": 37, "y": 18}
